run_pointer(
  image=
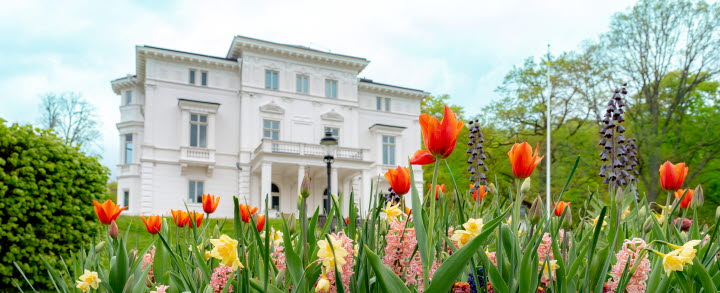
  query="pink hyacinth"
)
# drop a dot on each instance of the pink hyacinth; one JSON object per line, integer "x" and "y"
{"x": 401, "y": 243}
{"x": 278, "y": 257}
{"x": 628, "y": 254}
{"x": 545, "y": 248}
{"x": 221, "y": 276}
{"x": 160, "y": 289}
{"x": 347, "y": 269}
{"x": 148, "y": 259}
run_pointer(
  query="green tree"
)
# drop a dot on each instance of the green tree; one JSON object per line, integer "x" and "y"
{"x": 46, "y": 193}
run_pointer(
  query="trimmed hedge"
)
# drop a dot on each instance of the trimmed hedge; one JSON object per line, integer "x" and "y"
{"x": 46, "y": 193}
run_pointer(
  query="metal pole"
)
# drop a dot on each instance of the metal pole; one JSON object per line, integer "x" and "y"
{"x": 548, "y": 129}
{"x": 328, "y": 204}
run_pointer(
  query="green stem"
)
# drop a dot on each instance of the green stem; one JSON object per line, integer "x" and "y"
{"x": 431, "y": 226}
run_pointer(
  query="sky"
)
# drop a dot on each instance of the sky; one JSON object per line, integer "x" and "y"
{"x": 461, "y": 48}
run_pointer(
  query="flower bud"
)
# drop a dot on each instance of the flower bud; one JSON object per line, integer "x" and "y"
{"x": 291, "y": 224}
{"x": 113, "y": 229}
{"x": 305, "y": 185}
{"x": 525, "y": 187}
{"x": 619, "y": 196}
{"x": 717, "y": 213}
{"x": 642, "y": 212}
{"x": 100, "y": 246}
{"x": 383, "y": 227}
{"x": 536, "y": 211}
{"x": 491, "y": 188}
{"x": 567, "y": 220}
{"x": 698, "y": 198}
{"x": 683, "y": 223}
{"x": 647, "y": 227}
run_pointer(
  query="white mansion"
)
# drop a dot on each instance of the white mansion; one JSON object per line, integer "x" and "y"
{"x": 249, "y": 125}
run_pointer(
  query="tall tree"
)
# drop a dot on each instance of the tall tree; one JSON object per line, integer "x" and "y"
{"x": 71, "y": 117}
{"x": 654, "y": 41}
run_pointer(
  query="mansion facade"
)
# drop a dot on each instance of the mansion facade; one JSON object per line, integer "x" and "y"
{"x": 249, "y": 125}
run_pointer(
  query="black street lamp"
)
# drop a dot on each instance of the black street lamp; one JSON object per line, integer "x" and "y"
{"x": 330, "y": 143}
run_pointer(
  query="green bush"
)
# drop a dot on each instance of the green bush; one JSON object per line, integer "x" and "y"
{"x": 46, "y": 193}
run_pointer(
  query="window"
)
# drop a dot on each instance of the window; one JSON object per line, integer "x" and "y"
{"x": 271, "y": 129}
{"x": 128, "y": 98}
{"x": 334, "y": 130}
{"x": 195, "y": 191}
{"x": 126, "y": 198}
{"x": 203, "y": 78}
{"x": 302, "y": 84}
{"x": 128, "y": 148}
{"x": 382, "y": 104}
{"x": 388, "y": 150}
{"x": 331, "y": 88}
{"x": 192, "y": 76}
{"x": 275, "y": 197}
{"x": 271, "y": 79}
{"x": 198, "y": 130}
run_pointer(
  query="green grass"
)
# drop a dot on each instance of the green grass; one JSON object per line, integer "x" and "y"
{"x": 138, "y": 236}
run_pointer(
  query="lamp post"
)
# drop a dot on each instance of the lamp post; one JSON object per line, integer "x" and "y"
{"x": 330, "y": 143}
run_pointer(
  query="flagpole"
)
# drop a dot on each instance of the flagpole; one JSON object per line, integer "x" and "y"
{"x": 548, "y": 129}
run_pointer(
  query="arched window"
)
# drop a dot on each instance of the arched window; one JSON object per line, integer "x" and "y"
{"x": 274, "y": 197}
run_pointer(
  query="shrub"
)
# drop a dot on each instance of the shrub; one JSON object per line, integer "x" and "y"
{"x": 46, "y": 193}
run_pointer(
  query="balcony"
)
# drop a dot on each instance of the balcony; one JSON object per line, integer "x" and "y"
{"x": 306, "y": 149}
{"x": 197, "y": 156}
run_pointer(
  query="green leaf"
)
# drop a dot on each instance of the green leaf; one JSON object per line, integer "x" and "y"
{"x": 420, "y": 230}
{"x": 386, "y": 278}
{"x": 448, "y": 272}
{"x": 257, "y": 285}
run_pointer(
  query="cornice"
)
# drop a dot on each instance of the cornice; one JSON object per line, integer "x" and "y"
{"x": 144, "y": 52}
{"x": 240, "y": 44}
{"x": 392, "y": 90}
{"x": 122, "y": 83}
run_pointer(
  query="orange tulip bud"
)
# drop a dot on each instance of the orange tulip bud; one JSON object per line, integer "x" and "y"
{"x": 523, "y": 160}
{"x": 152, "y": 224}
{"x": 482, "y": 191}
{"x": 399, "y": 179}
{"x": 560, "y": 207}
{"x": 347, "y": 220}
{"x": 180, "y": 217}
{"x": 260, "y": 223}
{"x": 687, "y": 199}
{"x": 438, "y": 189}
{"x": 113, "y": 230}
{"x": 672, "y": 176}
{"x": 197, "y": 217}
{"x": 107, "y": 211}
{"x": 210, "y": 203}
{"x": 439, "y": 136}
{"x": 246, "y": 211}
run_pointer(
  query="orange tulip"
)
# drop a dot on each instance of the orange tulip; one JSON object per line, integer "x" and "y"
{"x": 482, "y": 191}
{"x": 560, "y": 207}
{"x": 152, "y": 224}
{"x": 685, "y": 202}
{"x": 672, "y": 176}
{"x": 107, "y": 211}
{"x": 347, "y": 220}
{"x": 180, "y": 217}
{"x": 210, "y": 203}
{"x": 408, "y": 211}
{"x": 198, "y": 218}
{"x": 523, "y": 160}
{"x": 438, "y": 189}
{"x": 260, "y": 222}
{"x": 439, "y": 137}
{"x": 399, "y": 179}
{"x": 246, "y": 211}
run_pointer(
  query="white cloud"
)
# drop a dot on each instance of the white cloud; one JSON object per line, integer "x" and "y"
{"x": 462, "y": 48}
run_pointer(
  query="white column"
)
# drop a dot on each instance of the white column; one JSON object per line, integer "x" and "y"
{"x": 265, "y": 183}
{"x": 334, "y": 181}
{"x": 301, "y": 175}
{"x": 346, "y": 195}
{"x": 365, "y": 193}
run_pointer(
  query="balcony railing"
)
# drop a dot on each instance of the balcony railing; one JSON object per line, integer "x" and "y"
{"x": 197, "y": 156}
{"x": 306, "y": 149}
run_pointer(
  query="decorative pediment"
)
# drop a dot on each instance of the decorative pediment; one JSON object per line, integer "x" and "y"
{"x": 272, "y": 108}
{"x": 332, "y": 116}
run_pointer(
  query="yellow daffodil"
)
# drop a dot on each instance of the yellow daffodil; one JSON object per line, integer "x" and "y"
{"x": 85, "y": 287}
{"x": 225, "y": 249}
{"x": 520, "y": 233}
{"x": 673, "y": 261}
{"x": 625, "y": 213}
{"x": 474, "y": 226}
{"x": 91, "y": 278}
{"x": 462, "y": 237}
{"x": 326, "y": 252}
{"x": 323, "y": 285}
{"x": 687, "y": 250}
{"x": 392, "y": 211}
{"x": 275, "y": 236}
{"x": 596, "y": 220}
{"x": 549, "y": 268}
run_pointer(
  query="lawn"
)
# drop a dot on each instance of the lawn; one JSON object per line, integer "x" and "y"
{"x": 139, "y": 237}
